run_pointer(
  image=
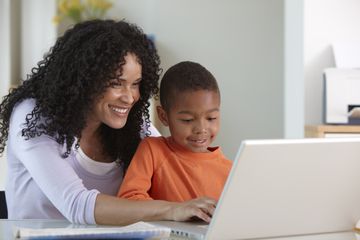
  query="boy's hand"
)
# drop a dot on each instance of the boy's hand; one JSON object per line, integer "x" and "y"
{"x": 202, "y": 208}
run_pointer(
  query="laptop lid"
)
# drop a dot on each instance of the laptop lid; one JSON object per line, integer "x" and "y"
{"x": 290, "y": 187}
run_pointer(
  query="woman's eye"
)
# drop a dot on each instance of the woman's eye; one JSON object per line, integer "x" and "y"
{"x": 212, "y": 118}
{"x": 137, "y": 84}
{"x": 115, "y": 84}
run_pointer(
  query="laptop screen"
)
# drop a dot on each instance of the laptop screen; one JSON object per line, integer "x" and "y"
{"x": 290, "y": 187}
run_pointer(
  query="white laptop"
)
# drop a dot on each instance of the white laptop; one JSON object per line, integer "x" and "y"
{"x": 286, "y": 188}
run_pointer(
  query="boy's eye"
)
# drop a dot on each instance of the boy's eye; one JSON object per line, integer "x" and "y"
{"x": 186, "y": 120}
{"x": 212, "y": 118}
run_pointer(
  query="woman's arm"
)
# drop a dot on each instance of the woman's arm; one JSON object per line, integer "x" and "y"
{"x": 113, "y": 210}
{"x": 51, "y": 176}
{"x": 49, "y": 184}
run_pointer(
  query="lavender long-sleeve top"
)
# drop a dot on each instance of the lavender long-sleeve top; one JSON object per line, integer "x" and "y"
{"x": 41, "y": 184}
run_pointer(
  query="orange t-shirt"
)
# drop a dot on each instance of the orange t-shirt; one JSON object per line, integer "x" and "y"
{"x": 163, "y": 170}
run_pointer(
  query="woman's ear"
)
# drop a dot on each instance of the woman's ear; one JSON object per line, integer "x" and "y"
{"x": 162, "y": 115}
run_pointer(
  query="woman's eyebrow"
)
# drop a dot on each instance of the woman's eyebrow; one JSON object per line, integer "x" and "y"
{"x": 125, "y": 80}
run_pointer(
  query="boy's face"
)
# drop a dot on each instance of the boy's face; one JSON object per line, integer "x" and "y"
{"x": 193, "y": 119}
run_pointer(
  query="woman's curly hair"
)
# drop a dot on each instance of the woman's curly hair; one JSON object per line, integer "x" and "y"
{"x": 76, "y": 71}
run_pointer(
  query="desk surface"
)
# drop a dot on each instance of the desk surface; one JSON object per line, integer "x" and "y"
{"x": 6, "y": 228}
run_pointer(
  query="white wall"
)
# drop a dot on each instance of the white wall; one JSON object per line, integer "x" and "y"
{"x": 9, "y": 57}
{"x": 293, "y": 70}
{"x": 26, "y": 33}
{"x": 4, "y": 49}
{"x": 4, "y": 67}
{"x": 240, "y": 42}
{"x": 325, "y": 22}
{"x": 37, "y": 30}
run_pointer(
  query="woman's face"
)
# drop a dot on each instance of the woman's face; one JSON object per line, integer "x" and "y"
{"x": 113, "y": 107}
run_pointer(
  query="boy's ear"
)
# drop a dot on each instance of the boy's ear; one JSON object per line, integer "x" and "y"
{"x": 162, "y": 115}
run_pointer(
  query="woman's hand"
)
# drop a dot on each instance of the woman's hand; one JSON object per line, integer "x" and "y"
{"x": 202, "y": 208}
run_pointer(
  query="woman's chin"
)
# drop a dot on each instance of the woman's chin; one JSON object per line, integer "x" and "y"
{"x": 117, "y": 125}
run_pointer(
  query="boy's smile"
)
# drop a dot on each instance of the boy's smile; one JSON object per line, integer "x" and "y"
{"x": 193, "y": 119}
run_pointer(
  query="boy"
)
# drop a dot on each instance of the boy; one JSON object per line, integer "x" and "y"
{"x": 182, "y": 166}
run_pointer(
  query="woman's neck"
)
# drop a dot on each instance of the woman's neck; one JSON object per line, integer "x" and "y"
{"x": 91, "y": 145}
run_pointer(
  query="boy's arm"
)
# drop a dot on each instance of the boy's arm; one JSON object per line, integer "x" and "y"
{"x": 137, "y": 180}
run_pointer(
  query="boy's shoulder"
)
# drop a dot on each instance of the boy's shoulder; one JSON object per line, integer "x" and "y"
{"x": 155, "y": 146}
{"x": 154, "y": 139}
{"x": 226, "y": 160}
{"x": 159, "y": 141}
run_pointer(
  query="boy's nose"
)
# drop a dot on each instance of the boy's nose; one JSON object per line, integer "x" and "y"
{"x": 200, "y": 127}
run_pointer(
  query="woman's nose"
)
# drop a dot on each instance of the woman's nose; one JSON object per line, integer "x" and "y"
{"x": 127, "y": 96}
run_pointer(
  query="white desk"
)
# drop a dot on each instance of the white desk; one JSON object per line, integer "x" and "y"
{"x": 325, "y": 236}
{"x": 6, "y": 227}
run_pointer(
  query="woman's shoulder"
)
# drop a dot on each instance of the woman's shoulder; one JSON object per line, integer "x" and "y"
{"x": 24, "y": 107}
{"x": 26, "y": 104}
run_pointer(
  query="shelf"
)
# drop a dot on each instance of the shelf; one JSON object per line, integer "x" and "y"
{"x": 332, "y": 131}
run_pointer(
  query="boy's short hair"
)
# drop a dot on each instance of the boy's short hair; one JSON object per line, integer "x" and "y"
{"x": 182, "y": 77}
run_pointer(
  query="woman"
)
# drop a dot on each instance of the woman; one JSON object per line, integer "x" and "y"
{"x": 73, "y": 126}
